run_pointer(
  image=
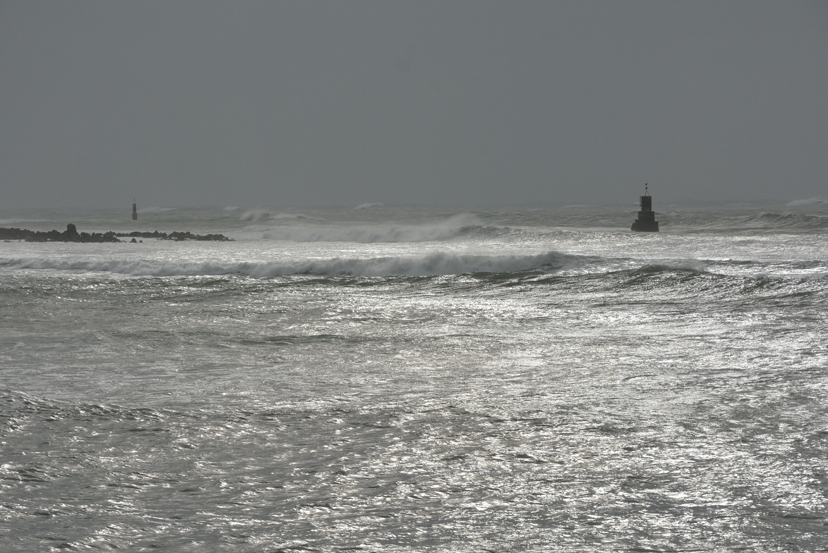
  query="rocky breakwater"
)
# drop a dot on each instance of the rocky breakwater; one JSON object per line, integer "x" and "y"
{"x": 176, "y": 236}
{"x": 71, "y": 234}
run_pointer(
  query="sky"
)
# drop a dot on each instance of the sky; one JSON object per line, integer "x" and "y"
{"x": 447, "y": 102}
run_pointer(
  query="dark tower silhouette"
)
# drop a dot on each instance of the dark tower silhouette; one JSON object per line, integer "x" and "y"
{"x": 134, "y": 210}
{"x": 646, "y": 217}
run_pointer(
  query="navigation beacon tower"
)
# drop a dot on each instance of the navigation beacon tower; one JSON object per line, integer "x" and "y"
{"x": 646, "y": 217}
{"x": 134, "y": 210}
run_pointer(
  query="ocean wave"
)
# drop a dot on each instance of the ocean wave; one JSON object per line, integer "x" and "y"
{"x": 765, "y": 221}
{"x": 258, "y": 214}
{"x": 809, "y": 201}
{"x": 447, "y": 229}
{"x": 434, "y": 264}
{"x": 793, "y": 220}
{"x": 255, "y": 214}
{"x": 156, "y": 209}
{"x": 16, "y": 406}
{"x": 687, "y": 266}
{"x": 654, "y": 281}
{"x": 368, "y": 206}
{"x": 290, "y": 216}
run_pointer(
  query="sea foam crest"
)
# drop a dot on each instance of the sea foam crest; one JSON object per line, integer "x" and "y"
{"x": 255, "y": 214}
{"x": 433, "y": 264}
{"x": 372, "y": 233}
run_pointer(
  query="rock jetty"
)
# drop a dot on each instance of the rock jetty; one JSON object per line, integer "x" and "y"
{"x": 176, "y": 236}
{"x": 71, "y": 234}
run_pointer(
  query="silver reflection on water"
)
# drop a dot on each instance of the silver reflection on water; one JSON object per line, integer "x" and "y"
{"x": 622, "y": 393}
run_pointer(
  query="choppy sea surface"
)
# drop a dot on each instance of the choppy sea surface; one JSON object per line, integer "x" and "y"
{"x": 416, "y": 379}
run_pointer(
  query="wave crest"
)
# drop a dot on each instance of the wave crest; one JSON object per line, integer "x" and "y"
{"x": 255, "y": 214}
{"x": 434, "y": 264}
{"x": 793, "y": 220}
{"x": 375, "y": 233}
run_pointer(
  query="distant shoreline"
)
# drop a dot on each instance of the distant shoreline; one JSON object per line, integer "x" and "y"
{"x": 71, "y": 234}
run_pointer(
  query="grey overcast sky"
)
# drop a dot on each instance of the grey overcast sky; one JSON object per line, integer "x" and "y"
{"x": 297, "y": 103}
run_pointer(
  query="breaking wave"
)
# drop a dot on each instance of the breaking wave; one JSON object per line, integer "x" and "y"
{"x": 374, "y": 233}
{"x": 255, "y": 214}
{"x": 793, "y": 220}
{"x": 434, "y": 264}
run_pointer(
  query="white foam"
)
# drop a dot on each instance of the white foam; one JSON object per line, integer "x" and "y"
{"x": 433, "y": 264}
{"x": 374, "y": 233}
{"x": 368, "y": 206}
{"x": 255, "y": 214}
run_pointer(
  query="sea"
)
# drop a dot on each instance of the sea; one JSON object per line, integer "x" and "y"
{"x": 383, "y": 378}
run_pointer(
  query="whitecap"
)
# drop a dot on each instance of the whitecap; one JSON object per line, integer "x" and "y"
{"x": 431, "y": 264}
{"x": 440, "y": 230}
{"x": 255, "y": 214}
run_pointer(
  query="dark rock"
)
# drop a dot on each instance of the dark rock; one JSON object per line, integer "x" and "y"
{"x": 71, "y": 235}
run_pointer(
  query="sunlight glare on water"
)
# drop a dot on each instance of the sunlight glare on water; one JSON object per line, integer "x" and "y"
{"x": 461, "y": 383}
